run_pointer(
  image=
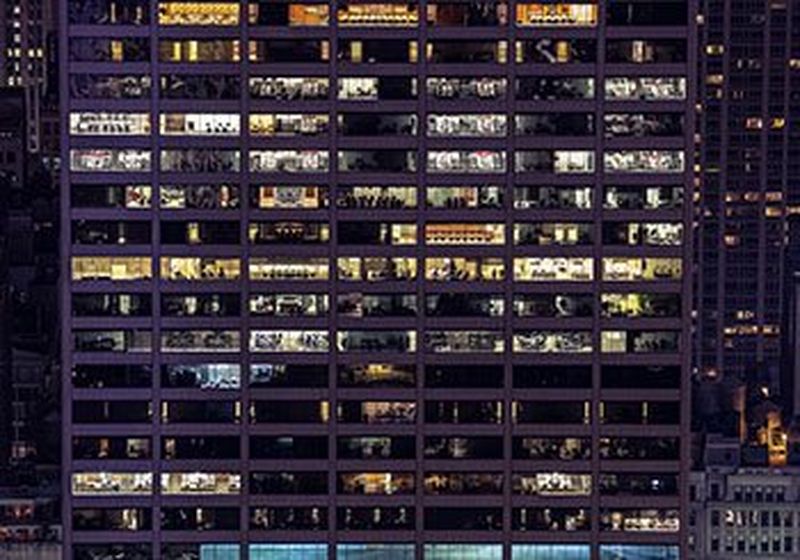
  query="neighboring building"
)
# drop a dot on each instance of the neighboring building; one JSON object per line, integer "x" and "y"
{"x": 27, "y": 28}
{"x": 749, "y": 162}
{"x": 28, "y": 294}
{"x": 29, "y": 424}
{"x": 13, "y": 152}
{"x": 32, "y": 551}
{"x": 790, "y": 370}
{"x": 12, "y": 172}
{"x": 26, "y": 520}
{"x": 412, "y": 275}
{"x": 743, "y": 511}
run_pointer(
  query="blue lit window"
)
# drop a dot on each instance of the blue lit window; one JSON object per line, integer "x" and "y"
{"x": 288, "y": 552}
{"x": 375, "y": 552}
{"x": 638, "y": 552}
{"x": 463, "y": 552}
{"x": 219, "y": 552}
{"x": 550, "y": 552}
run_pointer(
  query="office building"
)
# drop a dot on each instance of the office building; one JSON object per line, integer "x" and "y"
{"x": 749, "y": 172}
{"x": 29, "y": 430}
{"x": 374, "y": 280}
{"x": 740, "y": 509}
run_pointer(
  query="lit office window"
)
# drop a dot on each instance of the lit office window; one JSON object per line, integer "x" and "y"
{"x": 199, "y": 551}
{"x": 288, "y": 551}
{"x": 111, "y": 160}
{"x": 199, "y": 51}
{"x": 279, "y": 14}
{"x": 198, "y": 13}
{"x": 623, "y": 269}
{"x": 288, "y": 268}
{"x": 199, "y": 124}
{"x": 645, "y": 88}
{"x": 550, "y": 551}
{"x": 453, "y": 88}
{"x": 644, "y": 161}
{"x": 200, "y": 483}
{"x": 287, "y": 88}
{"x": 199, "y": 268}
{"x": 463, "y": 161}
{"x": 198, "y": 197}
{"x": 310, "y": 197}
{"x": 549, "y": 269}
{"x": 111, "y": 268}
{"x": 288, "y": 124}
{"x": 463, "y": 552}
{"x": 556, "y": 15}
{"x": 465, "y": 234}
{"x": 200, "y": 340}
{"x": 552, "y": 484}
{"x": 109, "y": 124}
{"x": 106, "y": 483}
{"x": 554, "y": 161}
{"x": 289, "y": 161}
{"x": 372, "y": 551}
{"x": 547, "y": 342}
{"x": 639, "y": 552}
{"x": 488, "y": 125}
{"x": 378, "y": 15}
{"x": 291, "y": 341}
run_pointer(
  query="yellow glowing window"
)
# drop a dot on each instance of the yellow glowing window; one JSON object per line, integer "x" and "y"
{"x": 556, "y": 15}
{"x": 200, "y": 51}
{"x": 547, "y": 269}
{"x": 356, "y": 51}
{"x": 111, "y": 268}
{"x": 623, "y": 269}
{"x": 413, "y": 51}
{"x": 199, "y": 483}
{"x": 378, "y": 15}
{"x": 198, "y": 13}
{"x": 308, "y": 15}
{"x": 464, "y": 234}
{"x": 193, "y": 233}
{"x": 105, "y": 483}
{"x": 715, "y": 49}
{"x": 196, "y": 268}
{"x": 613, "y": 341}
{"x": 502, "y": 52}
{"x": 287, "y": 124}
{"x": 117, "y": 54}
{"x": 287, "y": 268}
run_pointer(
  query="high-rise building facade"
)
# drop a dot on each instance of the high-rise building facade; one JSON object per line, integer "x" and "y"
{"x": 376, "y": 280}
{"x": 749, "y": 172}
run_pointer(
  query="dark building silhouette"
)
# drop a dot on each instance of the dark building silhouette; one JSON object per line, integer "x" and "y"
{"x": 747, "y": 185}
{"x": 29, "y": 349}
